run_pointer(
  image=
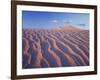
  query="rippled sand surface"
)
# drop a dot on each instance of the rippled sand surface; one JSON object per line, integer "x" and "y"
{"x": 55, "y": 48}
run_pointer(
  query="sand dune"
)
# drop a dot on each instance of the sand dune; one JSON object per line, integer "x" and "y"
{"x": 55, "y": 47}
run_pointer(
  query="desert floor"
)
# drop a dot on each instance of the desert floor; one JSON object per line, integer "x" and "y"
{"x": 55, "y": 48}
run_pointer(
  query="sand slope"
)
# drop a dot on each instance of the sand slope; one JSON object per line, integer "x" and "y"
{"x": 55, "y": 48}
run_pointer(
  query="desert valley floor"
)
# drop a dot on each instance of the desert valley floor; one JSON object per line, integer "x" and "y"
{"x": 55, "y": 48}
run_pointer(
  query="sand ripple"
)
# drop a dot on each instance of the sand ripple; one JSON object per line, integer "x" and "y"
{"x": 55, "y": 48}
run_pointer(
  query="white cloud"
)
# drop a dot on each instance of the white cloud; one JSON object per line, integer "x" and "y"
{"x": 82, "y": 24}
{"x": 54, "y": 21}
{"x": 67, "y": 21}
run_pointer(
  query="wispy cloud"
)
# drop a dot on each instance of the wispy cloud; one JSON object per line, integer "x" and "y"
{"x": 54, "y": 21}
{"x": 82, "y": 24}
{"x": 67, "y": 21}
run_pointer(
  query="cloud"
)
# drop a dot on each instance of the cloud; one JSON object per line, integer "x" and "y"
{"x": 67, "y": 21}
{"x": 54, "y": 21}
{"x": 81, "y": 24}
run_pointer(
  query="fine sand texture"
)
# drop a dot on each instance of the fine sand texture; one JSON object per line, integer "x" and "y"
{"x": 61, "y": 47}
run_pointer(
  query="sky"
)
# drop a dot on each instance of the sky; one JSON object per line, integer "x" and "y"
{"x": 49, "y": 20}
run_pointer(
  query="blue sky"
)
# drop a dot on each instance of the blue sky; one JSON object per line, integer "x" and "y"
{"x": 49, "y": 20}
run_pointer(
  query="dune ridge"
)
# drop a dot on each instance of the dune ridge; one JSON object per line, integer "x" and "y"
{"x": 55, "y": 48}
